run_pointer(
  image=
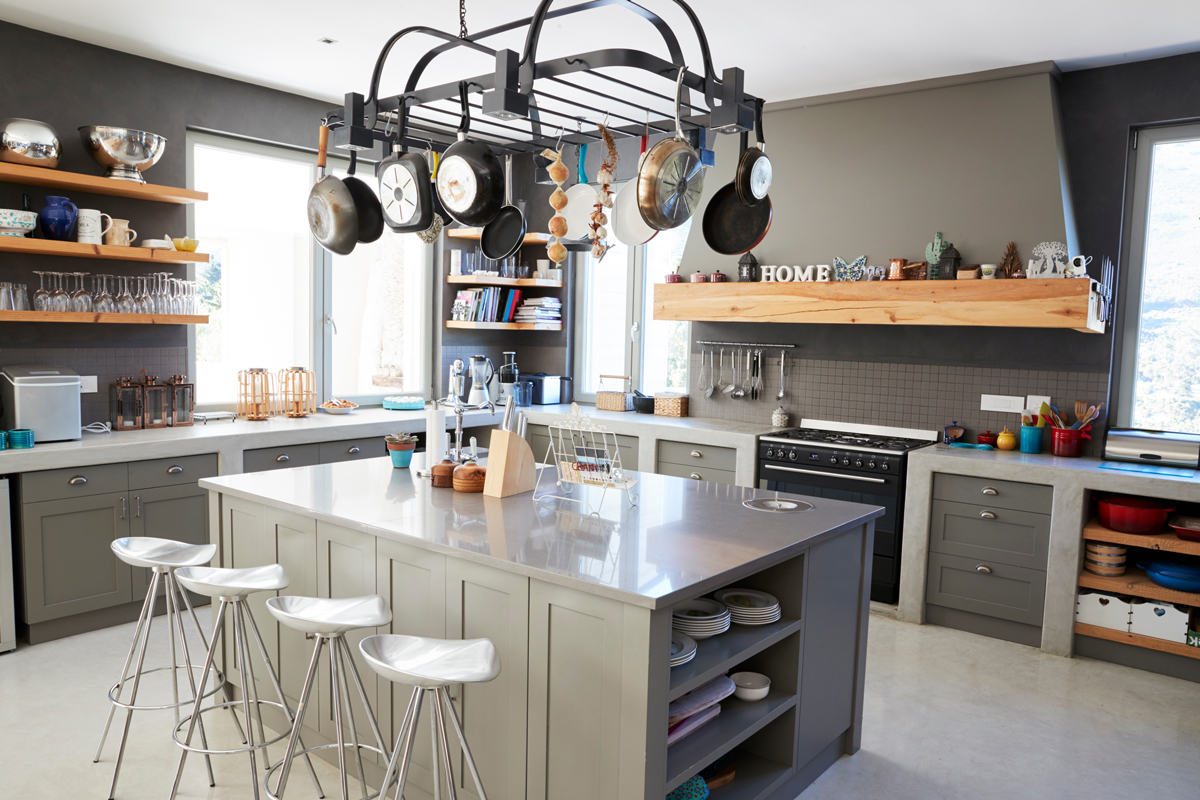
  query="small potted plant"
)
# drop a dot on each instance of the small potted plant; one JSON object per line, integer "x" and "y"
{"x": 400, "y": 447}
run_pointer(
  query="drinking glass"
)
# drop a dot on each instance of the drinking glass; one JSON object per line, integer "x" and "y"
{"x": 125, "y": 304}
{"x": 80, "y": 299}
{"x": 41, "y": 298}
{"x": 20, "y": 297}
{"x": 6, "y": 297}
{"x": 59, "y": 300}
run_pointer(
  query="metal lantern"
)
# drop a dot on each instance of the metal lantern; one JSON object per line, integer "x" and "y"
{"x": 125, "y": 405}
{"x": 156, "y": 402}
{"x": 183, "y": 401}
{"x": 256, "y": 394}
{"x": 747, "y": 268}
{"x": 297, "y": 392}
{"x": 949, "y": 264}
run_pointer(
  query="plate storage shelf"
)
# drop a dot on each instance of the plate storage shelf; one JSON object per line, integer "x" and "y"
{"x": 716, "y": 655}
{"x": 49, "y": 247}
{"x": 1137, "y": 640}
{"x": 504, "y": 326}
{"x": 488, "y": 280}
{"x": 1061, "y": 303}
{"x": 1137, "y": 583}
{"x": 94, "y": 184}
{"x": 1165, "y": 542}
{"x": 98, "y": 317}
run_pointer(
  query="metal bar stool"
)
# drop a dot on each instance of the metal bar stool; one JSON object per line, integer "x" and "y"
{"x": 164, "y": 557}
{"x": 430, "y": 666}
{"x": 232, "y": 587}
{"x": 328, "y": 621}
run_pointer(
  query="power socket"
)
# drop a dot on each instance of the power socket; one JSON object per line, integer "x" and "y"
{"x": 1009, "y": 404}
{"x": 87, "y": 384}
{"x": 1035, "y": 401}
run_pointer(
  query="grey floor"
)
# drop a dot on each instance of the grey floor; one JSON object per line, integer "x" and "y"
{"x": 948, "y": 715}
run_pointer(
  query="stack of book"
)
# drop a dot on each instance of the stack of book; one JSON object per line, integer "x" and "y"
{"x": 539, "y": 309}
{"x": 494, "y": 304}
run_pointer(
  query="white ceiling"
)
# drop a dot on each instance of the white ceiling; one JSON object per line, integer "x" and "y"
{"x": 788, "y": 48}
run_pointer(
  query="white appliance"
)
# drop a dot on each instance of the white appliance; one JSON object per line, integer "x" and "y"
{"x": 44, "y": 399}
{"x": 482, "y": 372}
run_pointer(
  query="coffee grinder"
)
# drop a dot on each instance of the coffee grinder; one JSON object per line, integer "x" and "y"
{"x": 508, "y": 376}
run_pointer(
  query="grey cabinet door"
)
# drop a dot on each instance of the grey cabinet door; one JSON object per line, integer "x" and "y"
{"x": 989, "y": 588}
{"x": 1017, "y": 538}
{"x": 179, "y": 513}
{"x": 246, "y": 542}
{"x": 69, "y": 565}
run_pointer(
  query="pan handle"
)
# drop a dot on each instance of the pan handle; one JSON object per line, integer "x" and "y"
{"x": 678, "y": 89}
{"x": 353, "y": 162}
{"x": 464, "y": 126}
{"x": 758, "y": 112}
{"x": 322, "y": 147}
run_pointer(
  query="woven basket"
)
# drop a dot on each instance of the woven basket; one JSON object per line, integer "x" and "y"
{"x": 670, "y": 405}
{"x": 608, "y": 400}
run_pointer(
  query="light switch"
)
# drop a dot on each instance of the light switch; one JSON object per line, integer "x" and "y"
{"x": 1035, "y": 401}
{"x": 87, "y": 384}
{"x": 1012, "y": 404}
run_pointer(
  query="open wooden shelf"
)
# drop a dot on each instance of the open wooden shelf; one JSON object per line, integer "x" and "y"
{"x": 94, "y": 317}
{"x": 1138, "y": 584}
{"x": 1166, "y": 542}
{"x": 50, "y": 247}
{"x": 1137, "y": 640}
{"x": 756, "y": 777}
{"x": 474, "y": 235}
{"x": 504, "y": 326}
{"x": 738, "y": 721}
{"x": 488, "y": 280}
{"x": 96, "y": 184}
{"x": 1043, "y": 303}
{"x": 716, "y": 654}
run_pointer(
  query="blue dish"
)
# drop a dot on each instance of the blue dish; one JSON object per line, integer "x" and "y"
{"x": 1170, "y": 580}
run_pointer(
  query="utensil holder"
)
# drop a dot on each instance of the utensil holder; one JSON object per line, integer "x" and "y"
{"x": 1031, "y": 439}
{"x": 511, "y": 468}
{"x": 1067, "y": 442}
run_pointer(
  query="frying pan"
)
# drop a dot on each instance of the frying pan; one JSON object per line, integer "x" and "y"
{"x": 370, "y": 212}
{"x": 470, "y": 182}
{"x": 431, "y": 234}
{"x": 405, "y": 191}
{"x": 628, "y": 226}
{"x": 671, "y": 178}
{"x": 753, "y": 180}
{"x": 503, "y": 236}
{"x": 731, "y": 227}
{"x": 332, "y": 216}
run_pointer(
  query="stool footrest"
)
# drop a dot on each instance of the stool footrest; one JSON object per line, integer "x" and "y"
{"x": 350, "y": 746}
{"x": 196, "y": 669}
{"x": 235, "y": 704}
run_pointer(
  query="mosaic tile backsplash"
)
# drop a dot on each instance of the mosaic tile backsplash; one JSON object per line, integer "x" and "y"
{"x": 904, "y": 395}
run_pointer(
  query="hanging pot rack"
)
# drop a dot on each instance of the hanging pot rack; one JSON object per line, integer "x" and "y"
{"x": 519, "y": 108}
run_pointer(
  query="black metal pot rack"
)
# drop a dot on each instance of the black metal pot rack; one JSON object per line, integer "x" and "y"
{"x": 520, "y": 108}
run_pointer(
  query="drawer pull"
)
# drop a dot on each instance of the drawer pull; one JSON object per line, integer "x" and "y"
{"x": 123, "y": 508}
{"x": 175, "y": 470}
{"x": 984, "y": 568}
{"x": 987, "y": 514}
{"x": 695, "y": 476}
{"x": 137, "y": 506}
{"x": 697, "y": 454}
{"x": 282, "y": 457}
{"x": 990, "y": 490}
{"x": 78, "y": 480}
{"x": 353, "y": 450}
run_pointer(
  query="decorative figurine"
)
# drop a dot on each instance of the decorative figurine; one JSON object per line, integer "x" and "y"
{"x": 849, "y": 272}
{"x": 747, "y": 268}
{"x": 1050, "y": 260}
{"x": 1010, "y": 265}
{"x": 948, "y": 265}
{"x": 933, "y": 255}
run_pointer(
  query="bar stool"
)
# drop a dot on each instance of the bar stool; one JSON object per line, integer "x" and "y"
{"x": 328, "y": 621}
{"x": 164, "y": 557}
{"x": 430, "y": 666}
{"x": 232, "y": 587}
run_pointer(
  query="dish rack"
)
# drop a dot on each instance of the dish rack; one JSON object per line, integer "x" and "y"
{"x": 584, "y": 452}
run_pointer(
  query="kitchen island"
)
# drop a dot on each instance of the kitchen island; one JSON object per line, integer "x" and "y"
{"x": 579, "y": 606}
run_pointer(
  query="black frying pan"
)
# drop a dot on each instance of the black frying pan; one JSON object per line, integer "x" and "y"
{"x": 753, "y": 180}
{"x": 731, "y": 227}
{"x": 370, "y": 213}
{"x": 503, "y": 236}
{"x": 332, "y": 217}
{"x": 470, "y": 181}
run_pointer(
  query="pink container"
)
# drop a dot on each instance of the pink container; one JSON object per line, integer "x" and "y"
{"x": 673, "y": 277}
{"x": 1067, "y": 442}
{"x": 716, "y": 277}
{"x": 699, "y": 277}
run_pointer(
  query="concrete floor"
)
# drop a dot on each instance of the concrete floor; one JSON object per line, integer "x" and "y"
{"x": 948, "y": 715}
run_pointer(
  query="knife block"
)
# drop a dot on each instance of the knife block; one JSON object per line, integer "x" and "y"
{"x": 510, "y": 468}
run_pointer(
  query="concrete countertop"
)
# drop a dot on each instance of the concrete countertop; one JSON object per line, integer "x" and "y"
{"x": 1073, "y": 480}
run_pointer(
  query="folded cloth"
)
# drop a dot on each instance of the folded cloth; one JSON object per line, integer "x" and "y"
{"x": 699, "y": 699}
{"x": 691, "y": 724}
{"x": 692, "y": 789}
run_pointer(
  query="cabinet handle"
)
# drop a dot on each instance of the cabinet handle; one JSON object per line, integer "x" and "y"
{"x": 353, "y": 450}
{"x": 282, "y": 457}
{"x": 697, "y": 454}
{"x": 987, "y": 514}
{"x": 137, "y": 508}
{"x": 123, "y": 508}
{"x": 990, "y": 490}
{"x": 695, "y": 476}
{"x": 175, "y": 470}
{"x": 78, "y": 480}
{"x": 984, "y": 568}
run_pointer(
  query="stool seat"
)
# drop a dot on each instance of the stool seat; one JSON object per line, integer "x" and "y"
{"x": 330, "y": 617}
{"x": 222, "y": 582}
{"x": 430, "y": 663}
{"x": 147, "y": 551}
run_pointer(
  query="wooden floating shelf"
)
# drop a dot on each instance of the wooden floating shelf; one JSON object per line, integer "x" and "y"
{"x": 475, "y": 234}
{"x": 1137, "y": 640}
{"x": 93, "y": 316}
{"x": 49, "y": 247}
{"x": 1061, "y": 303}
{"x": 1138, "y": 584}
{"x": 488, "y": 280}
{"x": 715, "y": 655}
{"x": 95, "y": 184}
{"x": 504, "y": 326}
{"x": 1166, "y": 542}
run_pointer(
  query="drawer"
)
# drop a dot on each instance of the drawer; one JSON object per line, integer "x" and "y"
{"x": 1010, "y": 537}
{"x": 267, "y": 458}
{"x": 351, "y": 449}
{"x": 697, "y": 473}
{"x": 59, "y": 484}
{"x": 697, "y": 455}
{"x": 992, "y": 493}
{"x": 1006, "y": 592}
{"x": 171, "y": 471}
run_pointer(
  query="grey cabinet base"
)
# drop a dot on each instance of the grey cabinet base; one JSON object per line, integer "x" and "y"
{"x": 38, "y": 632}
{"x": 994, "y": 627}
{"x": 1187, "y": 669}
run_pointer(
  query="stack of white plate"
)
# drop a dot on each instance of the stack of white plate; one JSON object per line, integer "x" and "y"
{"x": 683, "y": 648}
{"x": 750, "y": 606}
{"x": 701, "y": 618}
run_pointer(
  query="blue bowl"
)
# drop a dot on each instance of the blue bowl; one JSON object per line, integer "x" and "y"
{"x": 1171, "y": 580}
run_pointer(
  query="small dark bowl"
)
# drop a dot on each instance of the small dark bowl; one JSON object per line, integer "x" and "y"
{"x": 643, "y": 405}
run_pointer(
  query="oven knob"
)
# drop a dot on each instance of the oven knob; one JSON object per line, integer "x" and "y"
{"x": 793, "y": 455}
{"x": 770, "y": 453}
{"x": 858, "y": 462}
{"x": 846, "y": 461}
{"x": 833, "y": 460}
{"x": 871, "y": 464}
{"x": 884, "y": 466}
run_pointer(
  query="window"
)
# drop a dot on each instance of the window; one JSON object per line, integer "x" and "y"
{"x": 276, "y": 299}
{"x": 1160, "y": 350}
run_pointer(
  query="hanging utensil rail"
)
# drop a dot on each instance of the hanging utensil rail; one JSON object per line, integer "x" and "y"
{"x": 742, "y": 344}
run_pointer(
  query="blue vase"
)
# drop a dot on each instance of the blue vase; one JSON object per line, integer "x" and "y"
{"x": 58, "y": 219}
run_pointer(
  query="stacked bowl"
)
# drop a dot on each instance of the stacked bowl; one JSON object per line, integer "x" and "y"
{"x": 750, "y": 606}
{"x": 700, "y": 618}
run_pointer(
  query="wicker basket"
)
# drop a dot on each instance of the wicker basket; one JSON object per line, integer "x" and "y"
{"x": 608, "y": 400}
{"x": 670, "y": 405}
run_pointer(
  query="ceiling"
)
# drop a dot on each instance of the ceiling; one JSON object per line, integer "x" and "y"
{"x": 788, "y": 48}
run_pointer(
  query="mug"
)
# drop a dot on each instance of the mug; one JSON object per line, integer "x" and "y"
{"x": 119, "y": 233}
{"x": 988, "y": 270}
{"x": 89, "y": 229}
{"x": 1081, "y": 262}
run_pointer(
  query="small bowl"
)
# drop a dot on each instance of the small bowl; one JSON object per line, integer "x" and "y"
{"x": 158, "y": 244}
{"x": 186, "y": 245}
{"x": 14, "y": 222}
{"x": 750, "y": 685}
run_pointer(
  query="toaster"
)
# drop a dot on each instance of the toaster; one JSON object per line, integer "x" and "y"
{"x": 43, "y": 399}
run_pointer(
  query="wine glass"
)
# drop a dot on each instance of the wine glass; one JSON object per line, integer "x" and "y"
{"x": 104, "y": 299}
{"x": 59, "y": 299}
{"x": 125, "y": 303}
{"x": 41, "y": 298}
{"x": 80, "y": 299}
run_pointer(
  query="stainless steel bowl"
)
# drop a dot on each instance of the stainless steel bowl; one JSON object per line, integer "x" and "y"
{"x": 126, "y": 152}
{"x": 27, "y": 141}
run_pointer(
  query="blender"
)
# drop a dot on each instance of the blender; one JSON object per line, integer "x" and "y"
{"x": 482, "y": 370}
{"x": 508, "y": 378}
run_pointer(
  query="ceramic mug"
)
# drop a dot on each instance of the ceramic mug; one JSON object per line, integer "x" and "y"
{"x": 1081, "y": 262}
{"x": 89, "y": 229}
{"x": 119, "y": 233}
{"x": 987, "y": 270}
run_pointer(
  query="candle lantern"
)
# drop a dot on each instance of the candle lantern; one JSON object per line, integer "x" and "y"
{"x": 156, "y": 402}
{"x": 183, "y": 401}
{"x": 256, "y": 394}
{"x": 747, "y": 268}
{"x": 949, "y": 264}
{"x": 125, "y": 405}
{"x": 297, "y": 393}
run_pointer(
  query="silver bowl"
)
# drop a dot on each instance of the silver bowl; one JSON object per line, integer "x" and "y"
{"x": 126, "y": 152}
{"x": 27, "y": 141}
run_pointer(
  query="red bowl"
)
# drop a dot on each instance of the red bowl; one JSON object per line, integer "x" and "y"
{"x": 1139, "y": 515}
{"x": 1186, "y": 528}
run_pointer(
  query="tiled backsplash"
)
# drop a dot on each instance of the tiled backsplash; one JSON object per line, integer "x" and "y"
{"x": 106, "y": 363}
{"x": 904, "y": 395}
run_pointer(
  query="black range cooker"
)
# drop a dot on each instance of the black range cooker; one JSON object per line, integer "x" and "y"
{"x": 855, "y": 463}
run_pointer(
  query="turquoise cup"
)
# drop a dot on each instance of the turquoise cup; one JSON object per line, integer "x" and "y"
{"x": 1031, "y": 439}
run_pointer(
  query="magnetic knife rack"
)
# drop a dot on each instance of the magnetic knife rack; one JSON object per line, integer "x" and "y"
{"x": 523, "y": 93}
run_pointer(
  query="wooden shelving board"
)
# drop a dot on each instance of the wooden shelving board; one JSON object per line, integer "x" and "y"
{"x": 1138, "y": 584}
{"x": 488, "y": 280}
{"x": 504, "y": 326}
{"x": 1061, "y": 303}
{"x": 1137, "y": 640}
{"x": 49, "y": 247}
{"x": 96, "y": 184}
{"x": 756, "y": 777}
{"x": 96, "y": 317}
{"x": 738, "y": 721}
{"x": 717, "y": 654}
{"x": 474, "y": 235}
{"x": 1166, "y": 542}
